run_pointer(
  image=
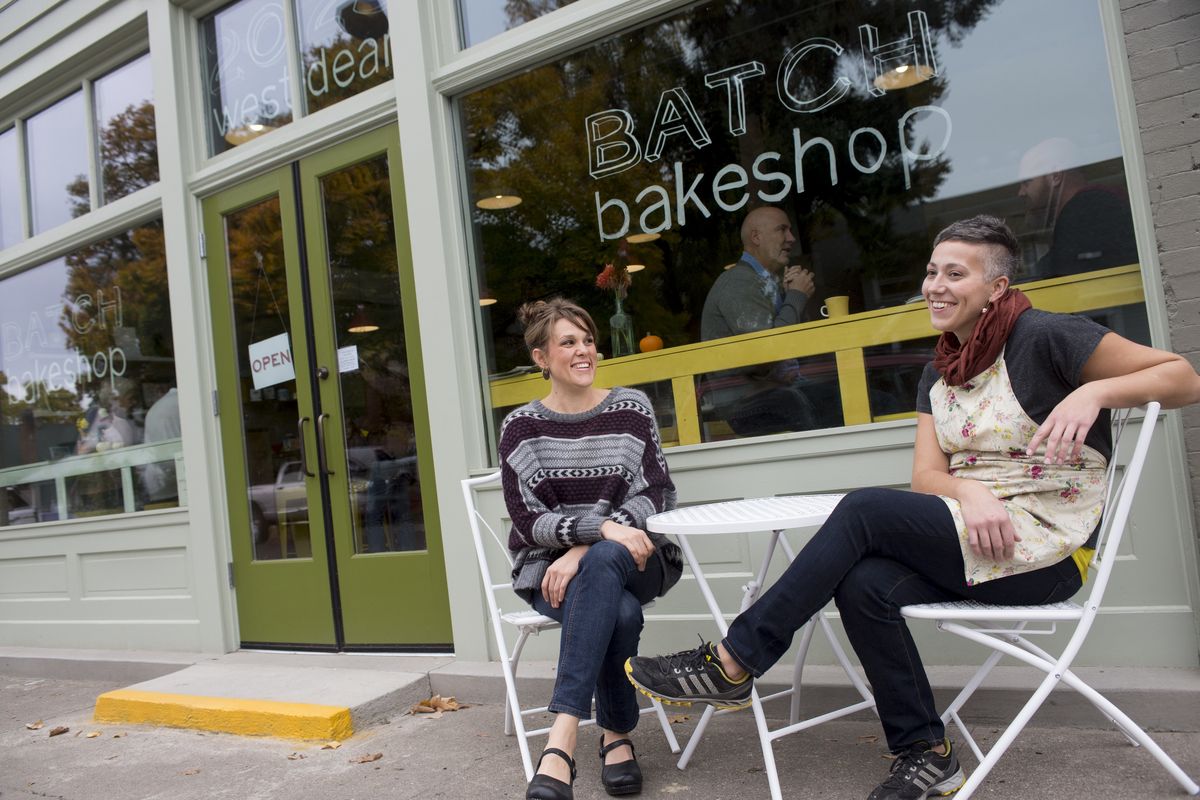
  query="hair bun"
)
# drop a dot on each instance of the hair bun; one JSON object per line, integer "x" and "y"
{"x": 528, "y": 313}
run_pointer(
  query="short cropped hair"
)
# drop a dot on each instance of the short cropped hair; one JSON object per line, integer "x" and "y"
{"x": 538, "y": 319}
{"x": 1003, "y": 249}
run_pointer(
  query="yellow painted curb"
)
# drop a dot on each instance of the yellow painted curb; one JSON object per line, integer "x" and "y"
{"x": 226, "y": 714}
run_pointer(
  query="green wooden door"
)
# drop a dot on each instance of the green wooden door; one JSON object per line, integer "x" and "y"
{"x": 327, "y": 471}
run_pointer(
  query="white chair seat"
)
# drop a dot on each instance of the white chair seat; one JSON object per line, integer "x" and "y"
{"x": 529, "y": 619}
{"x": 970, "y": 610}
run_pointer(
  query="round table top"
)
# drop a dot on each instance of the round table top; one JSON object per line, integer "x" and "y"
{"x": 747, "y": 516}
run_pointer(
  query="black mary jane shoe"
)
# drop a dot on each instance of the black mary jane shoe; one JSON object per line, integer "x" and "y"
{"x": 543, "y": 787}
{"x": 620, "y": 779}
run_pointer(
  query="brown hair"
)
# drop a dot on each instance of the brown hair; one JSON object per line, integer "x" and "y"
{"x": 1003, "y": 250}
{"x": 538, "y": 319}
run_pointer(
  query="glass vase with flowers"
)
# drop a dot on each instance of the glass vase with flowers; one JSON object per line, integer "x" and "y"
{"x": 617, "y": 279}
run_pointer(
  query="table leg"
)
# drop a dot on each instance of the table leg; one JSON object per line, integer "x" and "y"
{"x": 749, "y": 595}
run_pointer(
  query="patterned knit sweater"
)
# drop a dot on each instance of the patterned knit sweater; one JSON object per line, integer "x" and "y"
{"x": 565, "y": 474}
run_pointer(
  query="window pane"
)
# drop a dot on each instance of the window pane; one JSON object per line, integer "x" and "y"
{"x": 868, "y": 126}
{"x": 10, "y": 201}
{"x": 125, "y": 125}
{"x": 244, "y": 54}
{"x": 56, "y": 140}
{"x": 89, "y": 403}
{"x": 344, "y": 48}
{"x": 483, "y": 19}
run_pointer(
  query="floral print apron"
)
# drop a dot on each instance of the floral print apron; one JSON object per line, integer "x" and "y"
{"x": 1053, "y": 507}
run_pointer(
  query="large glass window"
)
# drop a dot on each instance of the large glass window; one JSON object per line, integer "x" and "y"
{"x": 89, "y": 414}
{"x": 62, "y": 144}
{"x": 343, "y": 48}
{"x": 125, "y": 128}
{"x": 868, "y": 127}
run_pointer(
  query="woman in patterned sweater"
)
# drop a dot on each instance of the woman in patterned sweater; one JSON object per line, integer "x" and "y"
{"x": 582, "y": 469}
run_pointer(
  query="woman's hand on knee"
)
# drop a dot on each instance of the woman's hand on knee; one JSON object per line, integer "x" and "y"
{"x": 559, "y": 574}
{"x": 990, "y": 531}
{"x": 634, "y": 540}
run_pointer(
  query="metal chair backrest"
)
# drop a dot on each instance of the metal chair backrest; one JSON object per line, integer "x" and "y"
{"x": 477, "y": 522}
{"x": 1119, "y": 496}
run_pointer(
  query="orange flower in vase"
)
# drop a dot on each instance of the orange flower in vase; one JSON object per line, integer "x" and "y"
{"x": 617, "y": 280}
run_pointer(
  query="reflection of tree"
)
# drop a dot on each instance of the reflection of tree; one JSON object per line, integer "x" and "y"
{"x": 128, "y": 158}
{"x": 526, "y": 137}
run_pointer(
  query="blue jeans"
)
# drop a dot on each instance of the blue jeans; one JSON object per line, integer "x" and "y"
{"x": 601, "y": 618}
{"x": 882, "y": 549}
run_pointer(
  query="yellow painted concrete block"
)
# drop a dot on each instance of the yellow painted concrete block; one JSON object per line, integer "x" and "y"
{"x": 226, "y": 714}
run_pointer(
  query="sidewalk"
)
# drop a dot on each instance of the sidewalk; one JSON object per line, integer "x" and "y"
{"x": 1070, "y": 752}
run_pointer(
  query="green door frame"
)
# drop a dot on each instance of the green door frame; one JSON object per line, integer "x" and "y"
{"x": 387, "y": 600}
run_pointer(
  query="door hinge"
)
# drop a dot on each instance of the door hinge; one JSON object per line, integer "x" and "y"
{"x": 203, "y": 247}
{"x": 216, "y": 404}
{"x": 230, "y": 574}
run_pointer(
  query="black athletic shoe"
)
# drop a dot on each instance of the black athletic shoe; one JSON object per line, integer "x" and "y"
{"x": 692, "y": 676}
{"x": 920, "y": 772}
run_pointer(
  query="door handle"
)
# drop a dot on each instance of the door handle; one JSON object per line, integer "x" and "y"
{"x": 303, "y": 454}
{"x": 322, "y": 456}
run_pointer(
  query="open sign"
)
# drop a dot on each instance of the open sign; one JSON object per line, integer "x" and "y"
{"x": 271, "y": 361}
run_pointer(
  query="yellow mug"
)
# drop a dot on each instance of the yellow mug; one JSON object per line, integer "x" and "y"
{"x": 836, "y": 306}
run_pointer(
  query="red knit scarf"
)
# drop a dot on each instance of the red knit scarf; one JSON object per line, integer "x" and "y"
{"x": 958, "y": 362}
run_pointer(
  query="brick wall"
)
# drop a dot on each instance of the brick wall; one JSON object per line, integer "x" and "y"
{"x": 1162, "y": 38}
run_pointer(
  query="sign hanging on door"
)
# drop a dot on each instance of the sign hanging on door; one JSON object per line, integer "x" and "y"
{"x": 271, "y": 361}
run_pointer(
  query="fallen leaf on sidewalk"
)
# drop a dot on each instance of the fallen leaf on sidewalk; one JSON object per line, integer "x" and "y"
{"x": 61, "y": 729}
{"x": 679, "y": 718}
{"x": 190, "y": 772}
{"x": 118, "y": 735}
{"x": 435, "y": 705}
{"x": 92, "y": 734}
{"x": 868, "y": 738}
{"x": 367, "y": 759}
{"x": 35, "y": 726}
{"x": 331, "y": 745}
{"x": 296, "y": 756}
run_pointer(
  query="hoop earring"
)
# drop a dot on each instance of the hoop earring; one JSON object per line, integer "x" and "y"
{"x": 545, "y": 373}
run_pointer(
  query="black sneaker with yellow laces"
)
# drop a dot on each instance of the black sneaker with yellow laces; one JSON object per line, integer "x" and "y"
{"x": 920, "y": 772}
{"x": 690, "y": 676}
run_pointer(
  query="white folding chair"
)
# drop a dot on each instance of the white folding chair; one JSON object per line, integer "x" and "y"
{"x": 1004, "y": 628}
{"x": 527, "y": 622}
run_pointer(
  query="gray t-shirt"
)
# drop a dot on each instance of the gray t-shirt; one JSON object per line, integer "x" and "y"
{"x": 1044, "y": 355}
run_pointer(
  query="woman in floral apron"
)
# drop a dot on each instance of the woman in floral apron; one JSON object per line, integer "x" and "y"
{"x": 1008, "y": 484}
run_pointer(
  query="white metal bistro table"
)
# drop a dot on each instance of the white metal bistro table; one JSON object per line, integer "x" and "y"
{"x": 761, "y": 515}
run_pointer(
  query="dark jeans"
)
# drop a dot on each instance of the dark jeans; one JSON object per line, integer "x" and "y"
{"x": 882, "y": 549}
{"x": 601, "y": 618}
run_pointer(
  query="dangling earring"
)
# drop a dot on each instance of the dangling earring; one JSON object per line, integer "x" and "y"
{"x": 545, "y": 373}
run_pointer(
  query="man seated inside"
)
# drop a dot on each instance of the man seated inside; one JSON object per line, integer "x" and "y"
{"x": 761, "y": 291}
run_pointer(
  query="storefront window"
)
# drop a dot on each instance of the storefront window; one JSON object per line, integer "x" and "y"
{"x": 867, "y": 127}
{"x": 58, "y": 163}
{"x": 125, "y": 129}
{"x": 483, "y": 19}
{"x": 89, "y": 412}
{"x": 10, "y": 202}
{"x": 343, "y": 49}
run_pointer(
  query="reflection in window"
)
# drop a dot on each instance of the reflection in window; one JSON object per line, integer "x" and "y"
{"x": 88, "y": 406}
{"x": 56, "y": 141}
{"x": 244, "y": 54}
{"x": 649, "y": 149}
{"x": 10, "y": 201}
{"x": 344, "y": 49}
{"x": 483, "y": 19}
{"x": 125, "y": 128}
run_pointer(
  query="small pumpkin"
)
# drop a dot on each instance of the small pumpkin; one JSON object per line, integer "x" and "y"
{"x": 650, "y": 342}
